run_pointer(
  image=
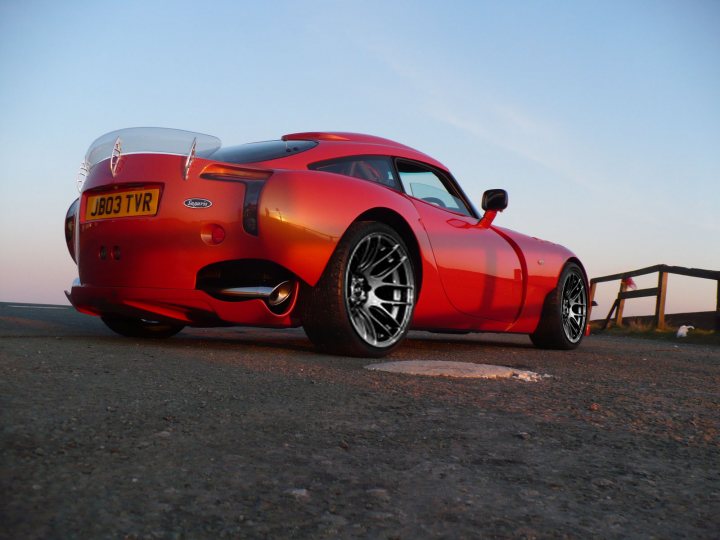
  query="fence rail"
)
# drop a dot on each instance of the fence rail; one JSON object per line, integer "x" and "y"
{"x": 660, "y": 291}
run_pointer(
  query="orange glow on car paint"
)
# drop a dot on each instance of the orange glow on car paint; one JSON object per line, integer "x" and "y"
{"x": 468, "y": 271}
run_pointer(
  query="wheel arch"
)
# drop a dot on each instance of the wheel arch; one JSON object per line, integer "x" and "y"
{"x": 575, "y": 260}
{"x": 561, "y": 268}
{"x": 401, "y": 226}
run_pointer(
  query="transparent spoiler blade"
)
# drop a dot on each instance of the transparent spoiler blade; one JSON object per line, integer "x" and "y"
{"x": 151, "y": 140}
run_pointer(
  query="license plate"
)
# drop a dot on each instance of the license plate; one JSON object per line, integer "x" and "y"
{"x": 118, "y": 204}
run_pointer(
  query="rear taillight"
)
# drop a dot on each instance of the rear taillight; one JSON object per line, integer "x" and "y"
{"x": 254, "y": 179}
{"x": 70, "y": 226}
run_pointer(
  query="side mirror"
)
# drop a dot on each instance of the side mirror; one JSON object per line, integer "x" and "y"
{"x": 493, "y": 201}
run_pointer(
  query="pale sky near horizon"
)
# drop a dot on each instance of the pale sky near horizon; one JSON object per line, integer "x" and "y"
{"x": 601, "y": 119}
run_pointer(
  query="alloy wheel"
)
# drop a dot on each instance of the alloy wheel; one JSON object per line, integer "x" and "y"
{"x": 379, "y": 289}
{"x": 574, "y": 307}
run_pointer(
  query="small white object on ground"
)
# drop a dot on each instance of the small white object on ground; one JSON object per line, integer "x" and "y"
{"x": 298, "y": 493}
{"x": 465, "y": 370}
{"x": 683, "y": 330}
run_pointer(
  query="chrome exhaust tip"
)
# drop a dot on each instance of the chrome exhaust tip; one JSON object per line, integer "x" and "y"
{"x": 281, "y": 293}
{"x": 274, "y": 296}
{"x": 247, "y": 293}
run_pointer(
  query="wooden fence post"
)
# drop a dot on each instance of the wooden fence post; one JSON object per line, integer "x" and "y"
{"x": 592, "y": 298}
{"x": 717, "y": 308}
{"x": 621, "y": 303}
{"x": 660, "y": 304}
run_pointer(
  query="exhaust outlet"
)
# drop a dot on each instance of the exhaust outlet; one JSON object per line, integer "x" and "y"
{"x": 274, "y": 296}
{"x": 281, "y": 293}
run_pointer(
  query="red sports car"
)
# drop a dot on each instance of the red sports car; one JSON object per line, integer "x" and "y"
{"x": 356, "y": 238}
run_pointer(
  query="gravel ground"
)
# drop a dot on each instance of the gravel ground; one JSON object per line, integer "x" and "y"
{"x": 248, "y": 433}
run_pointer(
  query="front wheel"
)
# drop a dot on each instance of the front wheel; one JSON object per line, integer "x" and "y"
{"x": 140, "y": 328}
{"x": 564, "y": 316}
{"x": 364, "y": 302}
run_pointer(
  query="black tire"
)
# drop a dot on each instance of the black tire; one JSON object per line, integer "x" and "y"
{"x": 364, "y": 302}
{"x": 141, "y": 328}
{"x": 564, "y": 316}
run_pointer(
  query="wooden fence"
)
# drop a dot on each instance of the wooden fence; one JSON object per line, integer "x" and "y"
{"x": 660, "y": 291}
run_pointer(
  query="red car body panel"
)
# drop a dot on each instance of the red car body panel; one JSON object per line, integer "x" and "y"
{"x": 471, "y": 278}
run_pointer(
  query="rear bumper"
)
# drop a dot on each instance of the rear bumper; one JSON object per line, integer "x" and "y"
{"x": 186, "y": 306}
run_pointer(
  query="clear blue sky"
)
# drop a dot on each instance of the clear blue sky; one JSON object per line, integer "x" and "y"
{"x": 601, "y": 119}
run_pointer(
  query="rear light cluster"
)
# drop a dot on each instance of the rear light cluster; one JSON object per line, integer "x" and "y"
{"x": 254, "y": 179}
{"x": 70, "y": 225}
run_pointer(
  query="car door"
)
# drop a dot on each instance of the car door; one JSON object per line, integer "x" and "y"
{"x": 480, "y": 271}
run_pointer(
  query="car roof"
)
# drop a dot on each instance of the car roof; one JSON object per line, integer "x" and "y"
{"x": 340, "y": 144}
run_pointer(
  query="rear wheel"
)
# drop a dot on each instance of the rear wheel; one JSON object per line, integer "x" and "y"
{"x": 363, "y": 304}
{"x": 141, "y": 328}
{"x": 562, "y": 325}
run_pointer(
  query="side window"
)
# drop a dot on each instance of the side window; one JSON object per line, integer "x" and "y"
{"x": 376, "y": 169}
{"x": 427, "y": 185}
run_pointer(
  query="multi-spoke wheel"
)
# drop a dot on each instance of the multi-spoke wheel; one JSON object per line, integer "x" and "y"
{"x": 574, "y": 307}
{"x": 364, "y": 302}
{"x": 562, "y": 325}
{"x": 379, "y": 289}
{"x": 140, "y": 328}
